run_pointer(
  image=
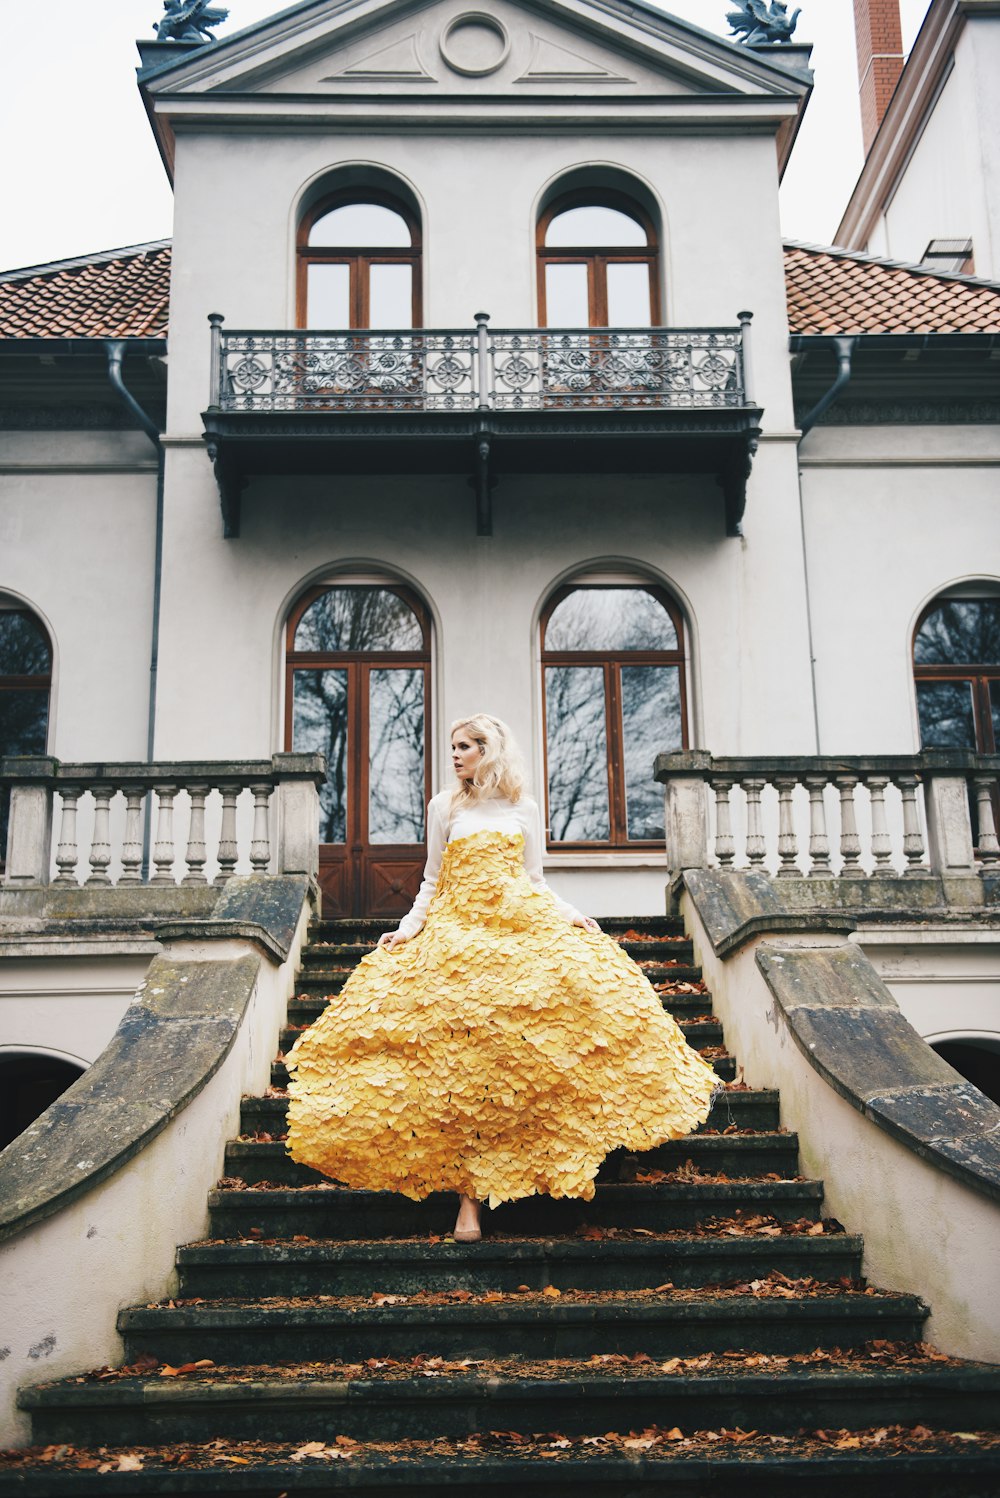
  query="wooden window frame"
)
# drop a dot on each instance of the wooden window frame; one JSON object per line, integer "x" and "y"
{"x": 38, "y": 681}
{"x": 978, "y": 677}
{"x": 360, "y": 258}
{"x": 359, "y": 665}
{"x": 598, "y": 257}
{"x": 612, "y": 663}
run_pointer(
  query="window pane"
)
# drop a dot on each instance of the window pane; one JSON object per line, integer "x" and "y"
{"x": 947, "y": 720}
{"x": 390, "y": 296}
{"x": 610, "y": 619}
{"x": 396, "y": 756}
{"x": 995, "y": 713}
{"x": 651, "y": 725}
{"x": 567, "y": 298}
{"x": 590, "y": 224}
{"x": 319, "y": 726}
{"x": 328, "y": 296}
{"x": 24, "y": 718}
{"x": 358, "y": 619}
{"x": 24, "y": 650}
{"x": 577, "y": 754}
{"x": 628, "y": 296}
{"x": 963, "y": 631}
{"x": 361, "y": 226}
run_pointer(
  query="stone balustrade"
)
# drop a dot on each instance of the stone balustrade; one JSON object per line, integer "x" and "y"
{"x": 177, "y": 822}
{"x": 852, "y": 817}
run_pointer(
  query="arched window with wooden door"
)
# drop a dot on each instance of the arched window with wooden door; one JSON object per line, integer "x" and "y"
{"x": 614, "y": 697}
{"x": 359, "y": 256}
{"x": 598, "y": 263}
{"x": 358, "y": 691}
{"x": 25, "y": 688}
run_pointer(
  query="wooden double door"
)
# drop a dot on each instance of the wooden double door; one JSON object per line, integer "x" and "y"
{"x": 358, "y": 691}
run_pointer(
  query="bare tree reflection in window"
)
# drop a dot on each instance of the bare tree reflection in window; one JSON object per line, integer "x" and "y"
{"x": 610, "y": 619}
{"x": 960, "y": 632}
{"x": 396, "y": 756}
{"x": 356, "y": 619}
{"x": 947, "y": 719}
{"x": 319, "y": 726}
{"x": 25, "y": 653}
{"x": 651, "y": 724}
{"x": 578, "y": 753}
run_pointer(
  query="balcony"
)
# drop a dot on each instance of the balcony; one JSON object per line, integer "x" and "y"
{"x": 482, "y": 401}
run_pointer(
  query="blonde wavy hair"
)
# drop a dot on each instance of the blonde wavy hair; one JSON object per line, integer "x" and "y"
{"x": 500, "y": 771}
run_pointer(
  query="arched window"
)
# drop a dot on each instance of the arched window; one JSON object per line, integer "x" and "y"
{"x": 359, "y": 263}
{"x": 25, "y": 684}
{"x": 357, "y": 690}
{"x": 956, "y": 664}
{"x": 597, "y": 263}
{"x": 613, "y": 669}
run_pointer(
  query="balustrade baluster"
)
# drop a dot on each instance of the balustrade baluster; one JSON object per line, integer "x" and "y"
{"x": 163, "y": 850}
{"x": 756, "y": 846}
{"x": 132, "y": 844}
{"x": 913, "y": 839}
{"x": 66, "y": 852}
{"x": 788, "y": 845}
{"x": 819, "y": 842}
{"x": 881, "y": 841}
{"x": 725, "y": 845}
{"x": 988, "y": 848}
{"x": 100, "y": 842}
{"x": 195, "y": 854}
{"x": 228, "y": 849}
{"x": 850, "y": 843}
{"x": 260, "y": 847}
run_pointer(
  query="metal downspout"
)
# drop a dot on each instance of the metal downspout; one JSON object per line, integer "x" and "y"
{"x": 116, "y": 355}
{"x": 845, "y": 355}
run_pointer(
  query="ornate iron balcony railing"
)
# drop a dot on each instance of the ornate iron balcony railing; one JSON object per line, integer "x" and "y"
{"x": 480, "y": 369}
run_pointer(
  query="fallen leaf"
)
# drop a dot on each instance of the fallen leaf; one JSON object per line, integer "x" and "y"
{"x": 551, "y": 1292}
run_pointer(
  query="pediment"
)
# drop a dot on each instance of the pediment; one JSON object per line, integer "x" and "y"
{"x": 517, "y": 49}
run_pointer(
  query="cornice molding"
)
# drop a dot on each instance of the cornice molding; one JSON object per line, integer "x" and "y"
{"x": 916, "y": 413}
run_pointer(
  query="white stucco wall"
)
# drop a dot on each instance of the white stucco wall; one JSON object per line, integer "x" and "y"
{"x": 892, "y": 517}
{"x": 77, "y": 533}
{"x": 950, "y": 186}
{"x": 66, "y": 1005}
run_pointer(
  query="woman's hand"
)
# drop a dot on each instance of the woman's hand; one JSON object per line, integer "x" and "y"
{"x": 390, "y": 939}
{"x": 587, "y": 922}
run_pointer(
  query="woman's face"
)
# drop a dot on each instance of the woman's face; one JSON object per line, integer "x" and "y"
{"x": 465, "y": 754}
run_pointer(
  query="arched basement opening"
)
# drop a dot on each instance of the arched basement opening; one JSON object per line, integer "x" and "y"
{"x": 976, "y": 1058}
{"x": 29, "y": 1082}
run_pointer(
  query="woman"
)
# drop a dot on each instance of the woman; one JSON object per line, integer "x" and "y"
{"x": 496, "y": 1044}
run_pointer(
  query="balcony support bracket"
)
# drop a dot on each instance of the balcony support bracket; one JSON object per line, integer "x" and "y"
{"x": 230, "y": 483}
{"x": 733, "y": 481}
{"x": 483, "y": 482}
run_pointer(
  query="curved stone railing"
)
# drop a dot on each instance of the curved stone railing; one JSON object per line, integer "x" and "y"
{"x": 96, "y": 1194}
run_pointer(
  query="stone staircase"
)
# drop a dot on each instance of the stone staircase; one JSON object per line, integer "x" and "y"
{"x": 698, "y": 1325}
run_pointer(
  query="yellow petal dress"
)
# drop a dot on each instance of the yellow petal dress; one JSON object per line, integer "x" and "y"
{"x": 501, "y": 1052}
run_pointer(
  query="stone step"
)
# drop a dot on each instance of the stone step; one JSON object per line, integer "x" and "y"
{"x": 328, "y": 978}
{"x": 751, "y": 1109}
{"x": 337, "y": 1212}
{"x": 674, "y": 1324}
{"x": 246, "y": 1268}
{"x": 320, "y": 1404}
{"x": 724, "y": 1067}
{"x": 671, "y": 950}
{"x": 732, "y": 1155}
{"x": 697, "y": 1032}
{"x": 369, "y": 929}
{"x": 305, "y": 1008}
{"x": 501, "y": 1464}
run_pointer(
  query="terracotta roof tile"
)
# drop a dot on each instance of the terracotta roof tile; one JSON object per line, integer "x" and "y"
{"x": 838, "y": 291}
{"x": 119, "y": 294}
{"x": 125, "y": 294}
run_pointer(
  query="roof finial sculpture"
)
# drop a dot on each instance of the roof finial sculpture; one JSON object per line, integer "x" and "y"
{"x": 189, "y": 21}
{"x": 758, "y": 22}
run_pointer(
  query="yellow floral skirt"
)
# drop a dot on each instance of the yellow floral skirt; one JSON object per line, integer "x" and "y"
{"x": 500, "y": 1052}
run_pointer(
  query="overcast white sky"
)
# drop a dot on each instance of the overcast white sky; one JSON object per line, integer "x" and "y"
{"x": 79, "y": 171}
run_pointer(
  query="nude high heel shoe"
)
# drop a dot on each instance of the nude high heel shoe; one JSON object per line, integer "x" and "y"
{"x": 468, "y": 1235}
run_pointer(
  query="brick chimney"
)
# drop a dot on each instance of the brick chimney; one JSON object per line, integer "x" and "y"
{"x": 879, "y": 39}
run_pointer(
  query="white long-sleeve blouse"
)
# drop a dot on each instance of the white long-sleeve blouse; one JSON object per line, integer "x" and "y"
{"x": 495, "y": 814}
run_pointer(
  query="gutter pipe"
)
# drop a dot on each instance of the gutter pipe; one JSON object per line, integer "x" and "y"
{"x": 116, "y": 348}
{"x": 845, "y": 354}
